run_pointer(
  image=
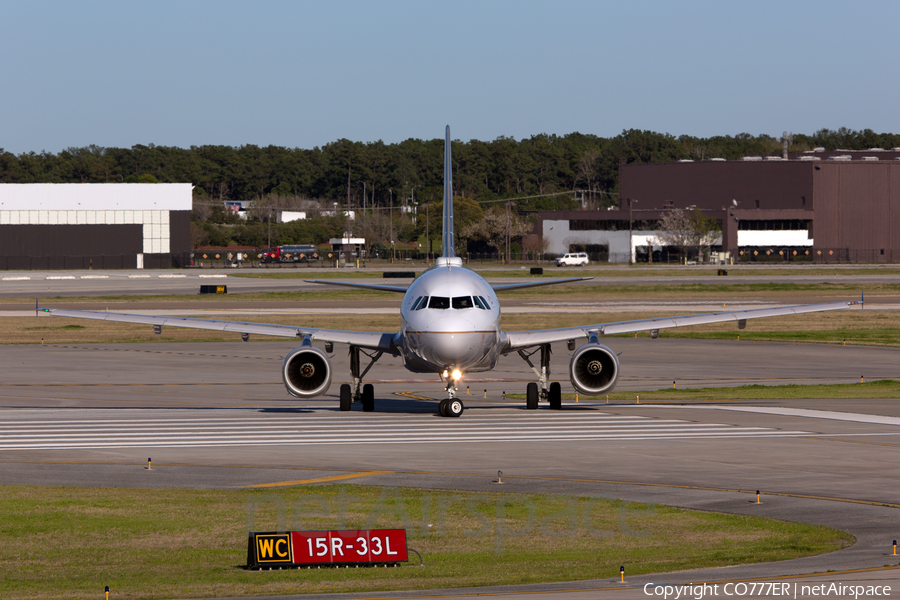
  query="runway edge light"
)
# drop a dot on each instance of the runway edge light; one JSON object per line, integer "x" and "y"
{"x": 622, "y": 571}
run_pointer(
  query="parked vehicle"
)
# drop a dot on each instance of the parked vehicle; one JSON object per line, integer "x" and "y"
{"x": 290, "y": 254}
{"x": 573, "y": 259}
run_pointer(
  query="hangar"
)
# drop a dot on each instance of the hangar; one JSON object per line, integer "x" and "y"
{"x": 103, "y": 225}
{"x": 840, "y": 206}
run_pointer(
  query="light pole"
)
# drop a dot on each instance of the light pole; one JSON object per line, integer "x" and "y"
{"x": 631, "y": 202}
{"x": 392, "y": 225}
{"x": 508, "y": 233}
{"x": 364, "y": 194}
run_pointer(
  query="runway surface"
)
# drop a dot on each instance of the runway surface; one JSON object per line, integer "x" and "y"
{"x": 135, "y": 430}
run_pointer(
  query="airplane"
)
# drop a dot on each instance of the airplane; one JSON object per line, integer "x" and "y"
{"x": 450, "y": 326}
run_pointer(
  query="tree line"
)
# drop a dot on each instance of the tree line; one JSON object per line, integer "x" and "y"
{"x": 394, "y": 188}
{"x": 376, "y": 174}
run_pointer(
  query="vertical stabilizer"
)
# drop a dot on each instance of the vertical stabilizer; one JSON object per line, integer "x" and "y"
{"x": 449, "y": 232}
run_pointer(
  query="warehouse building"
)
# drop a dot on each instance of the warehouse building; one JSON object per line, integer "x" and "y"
{"x": 84, "y": 225}
{"x": 819, "y": 206}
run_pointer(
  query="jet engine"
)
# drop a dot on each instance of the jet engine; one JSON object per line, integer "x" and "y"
{"x": 306, "y": 372}
{"x": 594, "y": 369}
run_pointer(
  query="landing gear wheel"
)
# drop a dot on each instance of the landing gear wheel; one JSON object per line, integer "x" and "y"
{"x": 531, "y": 396}
{"x": 454, "y": 407}
{"x": 555, "y": 396}
{"x": 368, "y": 397}
{"x": 442, "y": 407}
{"x": 345, "y": 397}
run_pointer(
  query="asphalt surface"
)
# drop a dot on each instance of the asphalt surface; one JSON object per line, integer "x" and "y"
{"x": 217, "y": 416}
{"x": 43, "y": 284}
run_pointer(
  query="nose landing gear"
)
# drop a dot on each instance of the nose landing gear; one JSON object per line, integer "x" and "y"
{"x": 451, "y": 406}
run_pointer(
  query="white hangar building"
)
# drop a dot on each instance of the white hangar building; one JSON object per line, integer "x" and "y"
{"x": 102, "y": 225}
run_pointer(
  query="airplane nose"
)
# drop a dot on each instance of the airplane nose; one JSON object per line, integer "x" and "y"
{"x": 451, "y": 325}
{"x": 454, "y": 341}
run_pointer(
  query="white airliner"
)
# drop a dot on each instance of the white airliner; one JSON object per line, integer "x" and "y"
{"x": 450, "y": 326}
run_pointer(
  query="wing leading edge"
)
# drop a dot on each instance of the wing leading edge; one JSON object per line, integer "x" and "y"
{"x": 393, "y": 288}
{"x": 364, "y": 339}
{"x": 524, "y": 339}
{"x": 362, "y": 286}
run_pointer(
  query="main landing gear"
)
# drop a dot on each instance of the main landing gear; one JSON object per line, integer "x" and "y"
{"x": 553, "y": 393}
{"x": 357, "y": 392}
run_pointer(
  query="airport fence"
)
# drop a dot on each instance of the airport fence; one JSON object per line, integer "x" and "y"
{"x": 227, "y": 260}
{"x": 816, "y": 255}
{"x": 176, "y": 260}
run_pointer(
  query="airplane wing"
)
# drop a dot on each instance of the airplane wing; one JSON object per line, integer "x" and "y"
{"x": 524, "y": 339}
{"x": 394, "y": 288}
{"x": 362, "y": 286}
{"x": 515, "y": 286}
{"x": 364, "y": 339}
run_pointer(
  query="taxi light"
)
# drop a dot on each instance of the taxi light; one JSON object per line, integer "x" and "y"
{"x": 457, "y": 374}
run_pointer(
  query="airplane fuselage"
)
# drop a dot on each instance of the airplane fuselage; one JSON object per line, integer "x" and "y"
{"x": 450, "y": 319}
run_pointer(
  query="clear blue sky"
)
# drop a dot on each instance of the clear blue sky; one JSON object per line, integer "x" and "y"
{"x": 303, "y": 74}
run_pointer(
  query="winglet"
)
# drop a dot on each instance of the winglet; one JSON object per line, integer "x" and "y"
{"x": 449, "y": 231}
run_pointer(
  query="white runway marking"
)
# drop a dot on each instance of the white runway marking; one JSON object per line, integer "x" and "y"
{"x": 355, "y": 429}
{"x": 809, "y": 414}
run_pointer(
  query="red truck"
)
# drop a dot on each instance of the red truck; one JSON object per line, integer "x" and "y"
{"x": 290, "y": 254}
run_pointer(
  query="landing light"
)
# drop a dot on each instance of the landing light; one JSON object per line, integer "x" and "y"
{"x": 457, "y": 375}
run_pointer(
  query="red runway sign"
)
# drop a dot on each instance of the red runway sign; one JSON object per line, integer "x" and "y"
{"x": 299, "y": 548}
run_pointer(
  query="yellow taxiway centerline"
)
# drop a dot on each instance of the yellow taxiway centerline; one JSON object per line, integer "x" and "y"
{"x": 320, "y": 479}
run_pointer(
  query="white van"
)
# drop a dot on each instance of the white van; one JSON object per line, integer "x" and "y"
{"x": 573, "y": 259}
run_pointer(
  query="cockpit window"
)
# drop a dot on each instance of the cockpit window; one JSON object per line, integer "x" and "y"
{"x": 485, "y": 302}
{"x": 479, "y": 303}
{"x": 420, "y": 303}
{"x": 440, "y": 302}
{"x": 462, "y": 302}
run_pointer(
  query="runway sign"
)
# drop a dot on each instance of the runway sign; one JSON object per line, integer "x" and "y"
{"x": 307, "y": 548}
{"x": 213, "y": 289}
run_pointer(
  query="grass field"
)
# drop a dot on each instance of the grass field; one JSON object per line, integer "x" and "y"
{"x": 875, "y": 328}
{"x": 656, "y": 291}
{"x": 68, "y": 543}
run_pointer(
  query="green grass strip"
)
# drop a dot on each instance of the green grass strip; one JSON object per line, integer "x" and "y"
{"x": 886, "y": 336}
{"x": 162, "y": 543}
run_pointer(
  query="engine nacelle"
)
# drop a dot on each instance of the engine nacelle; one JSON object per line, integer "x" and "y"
{"x": 306, "y": 372}
{"x": 594, "y": 369}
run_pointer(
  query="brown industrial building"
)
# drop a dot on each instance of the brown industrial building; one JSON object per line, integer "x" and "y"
{"x": 834, "y": 207}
